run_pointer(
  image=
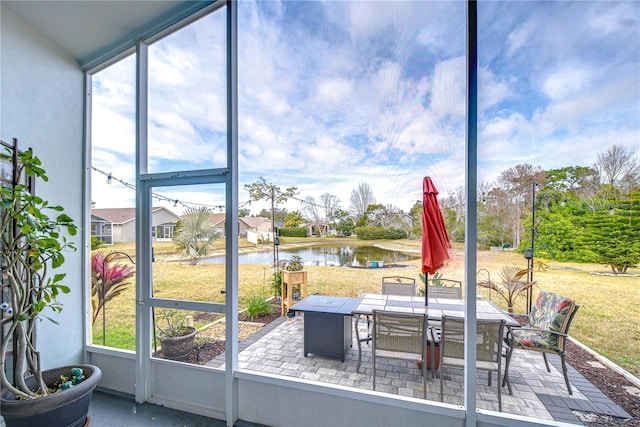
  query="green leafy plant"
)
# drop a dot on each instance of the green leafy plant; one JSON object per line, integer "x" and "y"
{"x": 108, "y": 280}
{"x": 512, "y": 286}
{"x": 175, "y": 323}
{"x": 434, "y": 280}
{"x": 96, "y": 243}
{"x": 257, "y": 306}
{"x": 295, "y": 264}
{"x": 32, "y": 244}
{"x": 276, "y": 283}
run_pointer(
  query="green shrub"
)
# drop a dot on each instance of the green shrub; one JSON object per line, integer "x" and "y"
{"x": 276, "y": 283}
{"x": 257, "y": 306}
{"x": 378, "y": 233}
{"x": 295, "y": 264}
{"x": 293, "y": 232}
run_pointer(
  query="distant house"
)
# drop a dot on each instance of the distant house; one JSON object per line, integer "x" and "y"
{"x": 319, "y": 229}
{"x": 219, "y": 221}
{"x": 257, "y": 228}
{"x": 102, "y": 228}
{"x": 122, "y": 222}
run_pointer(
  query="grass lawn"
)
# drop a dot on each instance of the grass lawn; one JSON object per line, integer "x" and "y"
{"x": 608, "y": 320}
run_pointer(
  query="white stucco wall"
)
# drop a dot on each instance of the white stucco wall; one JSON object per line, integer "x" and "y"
{"x": 41, "y": 104}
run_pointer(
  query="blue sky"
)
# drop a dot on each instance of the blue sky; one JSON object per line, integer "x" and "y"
{"x": 332, "y": 94}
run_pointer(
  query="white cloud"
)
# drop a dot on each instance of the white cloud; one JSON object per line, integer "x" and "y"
{"x": 330, "y": 92}
{"x": 569, "y": 80}
{"x": 337, "y": 93}
{"x": 519, "y": 37}
{"x": 449, "y": 89}
{"x": 611, "y": 17}
{"x": 491, "y": 90}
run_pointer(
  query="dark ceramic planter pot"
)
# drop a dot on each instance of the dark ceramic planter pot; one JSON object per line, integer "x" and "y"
{"x": 178, "y": 348}
{"x": 436, "y": 355}
{"x": 67, "y": 408}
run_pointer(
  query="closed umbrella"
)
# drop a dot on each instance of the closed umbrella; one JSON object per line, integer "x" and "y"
{"x": 435, "y": 240}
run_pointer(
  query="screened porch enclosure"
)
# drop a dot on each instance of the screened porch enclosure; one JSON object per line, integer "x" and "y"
{"x": 160, "y": 97}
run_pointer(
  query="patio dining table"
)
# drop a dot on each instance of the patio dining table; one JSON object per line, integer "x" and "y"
{"x": 437, "y": 308}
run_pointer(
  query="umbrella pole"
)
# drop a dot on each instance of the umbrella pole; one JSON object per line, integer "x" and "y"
{"x": 426, "y": 289}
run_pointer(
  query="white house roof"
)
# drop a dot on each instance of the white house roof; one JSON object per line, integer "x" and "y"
{"x": 122, "y": 215}
{"x": 254, "y": 221}
{"x": 106, "y": 27}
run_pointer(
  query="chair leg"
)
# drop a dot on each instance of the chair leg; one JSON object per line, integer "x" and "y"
{"x": 433, "y": 358}
{"x": 499, "y": 389}
{"x": 441, "y": 382}
{"x": 564, "y": 372}
{"x": 374, "y": 368}
{"x": 505, "y": 379}
{"x": 489, "y": 378}
{"x": 424, "y": 376}
{"x": 546, "y": 362}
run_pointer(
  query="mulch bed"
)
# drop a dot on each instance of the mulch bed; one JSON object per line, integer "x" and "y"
{"x": 211, "y": 349}
{"x": 606, "y": 380}
{"x": 609, "y": 382}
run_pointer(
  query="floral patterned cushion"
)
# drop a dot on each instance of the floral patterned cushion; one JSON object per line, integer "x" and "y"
{"x": 534, "y": 339}
{"x": 551, "y": 312}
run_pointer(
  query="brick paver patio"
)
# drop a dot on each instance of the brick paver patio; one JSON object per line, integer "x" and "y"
{"x": 278, "y": 349}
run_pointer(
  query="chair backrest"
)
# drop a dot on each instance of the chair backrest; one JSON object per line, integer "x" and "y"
{"x": 452, "y": 338}
{"x": 399, "y": 332}
{"x": 398, "y": 285}
{"x": 489, "y": 335}
{"x": 553, "y": 312}
{"x": 444, "y": 292}
{"x": 444, "y": 288}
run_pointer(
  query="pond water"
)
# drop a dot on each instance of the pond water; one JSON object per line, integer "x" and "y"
{"x": 326, "y": 255}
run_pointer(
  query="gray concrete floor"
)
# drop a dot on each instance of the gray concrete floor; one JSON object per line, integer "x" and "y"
{"x": 110, "y": 410}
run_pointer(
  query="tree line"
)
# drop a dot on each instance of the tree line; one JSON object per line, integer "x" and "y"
{"x": 575, "y": 213}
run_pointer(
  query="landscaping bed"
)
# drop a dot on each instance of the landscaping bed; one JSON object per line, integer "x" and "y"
{"x": 609, "y": 382}
{"x": 210, "y": 340}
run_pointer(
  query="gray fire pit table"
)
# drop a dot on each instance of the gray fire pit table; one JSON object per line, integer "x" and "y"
{"x": 327, "y": 324}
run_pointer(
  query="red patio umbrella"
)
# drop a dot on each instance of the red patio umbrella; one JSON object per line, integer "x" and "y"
{"x": 435, "y": 240}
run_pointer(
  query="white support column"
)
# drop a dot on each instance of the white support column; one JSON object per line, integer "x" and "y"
{"x": 231, "y": 347}
{"x": 471, "y": 232}
{"x": 86, "y": 212}
{"x": 143, "y": 233}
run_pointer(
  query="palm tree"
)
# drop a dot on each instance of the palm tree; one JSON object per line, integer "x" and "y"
{"x": 195, "y": 234}
{"x": 512, "y": 286}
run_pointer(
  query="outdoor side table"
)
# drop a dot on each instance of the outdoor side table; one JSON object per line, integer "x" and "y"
{"x": 291, "y": 279}
{"x": 327, "y": 324}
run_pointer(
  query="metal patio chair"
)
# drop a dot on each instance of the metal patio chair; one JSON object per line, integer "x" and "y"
{"x": 398, "y": 285}
{"x": 489, "y": 338}
{"x": 547, "y": 331}
{"x": 399, "y": 336}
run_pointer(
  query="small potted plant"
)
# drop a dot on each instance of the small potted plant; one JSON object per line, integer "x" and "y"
{"x": 293, "y": 272}
{"x": 293, "y": 276}
{"x": 31, "y": 246}
{"x": 176, "y": 338}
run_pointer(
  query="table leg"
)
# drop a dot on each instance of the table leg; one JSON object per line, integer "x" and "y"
{"x": 359, "y": 344}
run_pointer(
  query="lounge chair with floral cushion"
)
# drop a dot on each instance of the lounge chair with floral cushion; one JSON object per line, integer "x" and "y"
{"x": 546, "y": 332}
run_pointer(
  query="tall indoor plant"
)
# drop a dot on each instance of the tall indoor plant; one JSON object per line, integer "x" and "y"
{"x": 32, "y": 243}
